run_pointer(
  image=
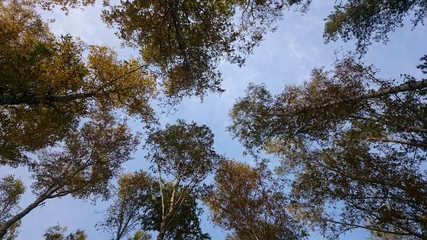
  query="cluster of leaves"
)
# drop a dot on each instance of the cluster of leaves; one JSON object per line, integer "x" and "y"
{"x": 369, "y": 20}
{"x": 58, "y": 233}
{"x": 250, "y": 202}
{"x": 11, "y": 190}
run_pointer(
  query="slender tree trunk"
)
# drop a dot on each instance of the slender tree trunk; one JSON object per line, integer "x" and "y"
{"x": 25, "y": 99}
{"x": 413, "y": 143}
{"x": 162, "y": 230}
{"x": 30, "y": 99}
{"x": 405, "y": 87}
{"x": 120, "y": 230}
{"x": 5, "y": 226}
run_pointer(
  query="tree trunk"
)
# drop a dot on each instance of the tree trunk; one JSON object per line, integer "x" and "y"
{"x": 5, "y": 226}
{"x": 26, "y": 99}
{"x": 162, "y": 230}
{"x": 405, "y": 87}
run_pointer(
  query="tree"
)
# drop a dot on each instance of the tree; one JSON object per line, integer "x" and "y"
{"x": 348, "y": 146}
{"x": 58, "y": 233}
{"x": 55, "y": 104}
{"x": 133, "y": 203}
{"x": 140, "y": 235}
{"x": 183, "y": 154}
{"x": 47, "y": 86}
{"x": 247, "y": 201}
{"x": 139, "y": 206}
{"x": 371, "y": 20}
{"x": 184, "y": 223}
{"x": 81, "y": 166}
{"x": 187, "y": 39}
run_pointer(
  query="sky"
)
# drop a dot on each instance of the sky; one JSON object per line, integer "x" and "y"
{"x": 285, "y": 57}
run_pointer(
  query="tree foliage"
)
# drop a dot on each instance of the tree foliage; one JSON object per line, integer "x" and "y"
{"x": 140, "y": 235}
{"x": 11, "y": 190}
{"x": 184, "y": 155}
{"x": 13, "y": 232}
{"x": 184, "y": 223}
{"x": 346, "y": 138}
{"x": 47, "y": 86}
{"x": 247, "y": 201}
{"x": 187, "y": 39}
{"x": 138, "y": 205}
{"x": 371, "y": 20}
{"x": 82, "y": 166}
{"x": 349, "y": 139}
{"x": 133, "y": 203}
{"x": 59, "y": 233}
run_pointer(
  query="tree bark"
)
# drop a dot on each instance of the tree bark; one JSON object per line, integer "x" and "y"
{"x": 27, "y": 99}
{"x": 5, "y": 226}
{"x": 405, "y": 87}
{"x": 162, "y": 230}
{"x": 31, "y": 99}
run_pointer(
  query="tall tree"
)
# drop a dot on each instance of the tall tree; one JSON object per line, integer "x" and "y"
{"x": 55, "y": 104}
{"x": 81, "y": 166}
{"x": 351, "y": 141}
{"x": 47, "y": 86}
{"x": 371, "y": 20}
{"x": 182, "y": 154}
{"x": 139, "y": 206}
{"x": 247, "y": 201}
{"x": 187, "y": 39}
{"x": 133, "y": 203}
{"x": 185, "y": 222}
{"x": 140, "y": 235}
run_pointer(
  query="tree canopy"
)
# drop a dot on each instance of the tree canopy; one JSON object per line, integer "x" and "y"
{"x": 182, "y": 156}
{"x": 249, "y": 202}
{"x": 349, "y": 139}
{"x": 187, "y": 39}
{"x": 352, "y": 146}
{"x": 138, "y": 205}
{"x": 371, "y": 20}
{"x": 47, "y": 86}
{"x": 58, "y": 233}
{"x": 82, "y": 167}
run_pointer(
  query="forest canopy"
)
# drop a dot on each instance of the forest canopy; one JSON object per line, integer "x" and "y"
{"x": 345, "y": 150}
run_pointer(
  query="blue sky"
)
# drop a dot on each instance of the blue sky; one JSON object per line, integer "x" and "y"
{"x": 285, "y": 57}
